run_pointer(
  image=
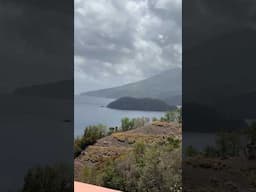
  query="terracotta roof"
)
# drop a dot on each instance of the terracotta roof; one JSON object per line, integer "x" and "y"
{"x": 83, "y": 187}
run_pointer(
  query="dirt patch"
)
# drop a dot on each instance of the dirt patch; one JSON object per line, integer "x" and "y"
{"x": 213, "y": 174}
{"x": 116, "y": 144}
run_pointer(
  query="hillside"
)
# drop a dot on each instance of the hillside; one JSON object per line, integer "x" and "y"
{"x": 208, "y": 119}
{"x": 141, "y": 104}
{"x": 58, "y": 90}
{"x": 119, "y": 148}
{"x": 223, "y": 67}
{"x": 166, "y": 86}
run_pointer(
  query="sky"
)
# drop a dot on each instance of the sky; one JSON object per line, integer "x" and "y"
{"x": 205, "y": 19}
{"x": 36, "y": 42}
{"x": 118, "y": 42}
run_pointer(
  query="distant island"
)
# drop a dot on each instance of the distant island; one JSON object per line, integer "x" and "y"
{"x": 142, "y": 104}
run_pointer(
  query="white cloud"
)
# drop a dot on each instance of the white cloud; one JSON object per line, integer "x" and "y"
{"x": 117, "y": 42}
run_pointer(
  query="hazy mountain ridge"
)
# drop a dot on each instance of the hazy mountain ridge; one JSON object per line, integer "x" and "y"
{"x": 58, "y": 90}
{"x": 166, "y": 86}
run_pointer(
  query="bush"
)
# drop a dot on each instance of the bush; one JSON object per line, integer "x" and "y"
{"x": 251, "y": 133}
{"x": 228, "y": 144}
{"x": 146, "y": 168}
{"x": 191, "y": 151}
{"x": 173, "y": 116}
{"x": 90, "y": 136}
{"x": 49, "y": 178}
{"x": 154, "y": 119}
{"x": 210, "y": 152}
{"x": 128, "y": 124}
{"x": 77, "y": 147}
{"x": 112, "y": 178}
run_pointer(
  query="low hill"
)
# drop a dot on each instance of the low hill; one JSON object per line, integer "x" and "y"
{"x": 141, "y": 104}
{"x": 202, "y": 118}
{"x": 166, "y": 86}
{"x": 119, "y": 145}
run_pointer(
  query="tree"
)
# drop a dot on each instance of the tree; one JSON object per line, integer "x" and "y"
{"x": 228, "y": 144}
{"x": 191, "y": 151}
{"x": 48, "y": 178}
{"x": 125, "y": 124}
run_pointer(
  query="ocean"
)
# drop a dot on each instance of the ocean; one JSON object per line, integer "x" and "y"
{"x": 92, "y": 111}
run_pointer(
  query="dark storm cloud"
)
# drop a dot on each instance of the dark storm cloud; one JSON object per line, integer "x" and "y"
{"x": 117, "y": 42}
{"x": 237, "y": 10}
{"x": 34, "y": 37}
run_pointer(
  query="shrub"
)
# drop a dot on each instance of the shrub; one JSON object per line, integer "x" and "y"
{"x": 48, "y": 178}
{"x": 128, "y": 124}
{"x": 210, "y": 151}
{"x": 173, "y": 116}
{"x": 90, "y": 136}
{"x": 146, "y": 168}
{"x": 228, "y": 144}
{"x": 251, "y": 133}
{"x": 191, "y": 151}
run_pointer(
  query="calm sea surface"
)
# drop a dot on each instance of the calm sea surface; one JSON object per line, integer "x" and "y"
{"x": 93, "y": 111}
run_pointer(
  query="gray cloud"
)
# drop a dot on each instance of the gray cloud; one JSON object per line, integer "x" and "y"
{"x": 117, "y": 42}
{"x": 204, "y": 19}
{"x": 34, "y": 37}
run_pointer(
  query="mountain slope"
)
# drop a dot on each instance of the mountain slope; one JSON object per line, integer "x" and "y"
{"x": 222, "y": 68}
{"x": 165, "y": 86}
{"x": 58, "y": 90}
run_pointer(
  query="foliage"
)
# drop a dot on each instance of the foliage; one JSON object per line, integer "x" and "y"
{"x": 49, "y": 178}
{"x": 251, "y": 133}
{"x": 191, "y": 151}
{"x": 173, "y": 116}
{"x": 210, "y": 151}
{"x": 77, "y": 146}
{"x": 128, "y": 124}
{"x": 111, "y": 130}
{"x": 228, "y": 144}
{"x": 90, "y": 136}
{"x": 154, "y": 119}
{"x": 148, "y": 167}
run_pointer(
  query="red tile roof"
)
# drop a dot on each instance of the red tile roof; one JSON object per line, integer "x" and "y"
{"x": 83, "y": 187}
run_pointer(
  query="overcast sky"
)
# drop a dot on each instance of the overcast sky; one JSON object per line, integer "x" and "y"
{"x": 122, "y": 41}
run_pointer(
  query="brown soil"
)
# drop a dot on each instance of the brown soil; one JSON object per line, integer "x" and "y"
{"x": 219, "y": 175}
{"x": 113, "y": 146}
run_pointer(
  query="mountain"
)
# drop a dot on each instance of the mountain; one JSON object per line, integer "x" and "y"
{"x": 165, "y": 86}
{"x": 202, "y": 118}
{"x": 141, "y": 104}
{"x": 221, "y": 73}
{"x": 58, "y": 90}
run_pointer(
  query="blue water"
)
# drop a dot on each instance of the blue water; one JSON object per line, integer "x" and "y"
{"x": 93, "y": 111}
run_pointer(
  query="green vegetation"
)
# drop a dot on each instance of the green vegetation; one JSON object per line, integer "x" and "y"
{"x": 90, "y": 136}
{"x": 227, "y": 145}
{"x": 142, "y": 104}
{"x": 173, "y": 116}
{"x": 95, "y": 132}
{"x": 128, "y": 124}
{"x": 132, "y": 161}
{"x": 155, "y": 167}
{"x": 251, "y": 133}
{"x": 48, "y": 178}
{"x": 232, "y": 156}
